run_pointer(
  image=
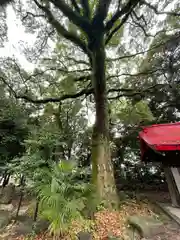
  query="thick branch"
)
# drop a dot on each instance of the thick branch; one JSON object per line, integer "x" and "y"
{"x": 75, "y": 17}
{"x": 124, "y": 10}
{"x": 86, "y": 8}
{"x": 61, "y": 30}
{"x": 111, "y": 34}
{"x": 86, "y": 91}
{"x": 56, "y": 99}
{"x": 158, "y": 12}
{"x": 123, "y": 92}
{"x": 75, "y": 5}
{"x": 101, "y": 11}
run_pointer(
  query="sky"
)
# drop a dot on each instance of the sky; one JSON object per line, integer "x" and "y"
{"x": 17, "y": 35}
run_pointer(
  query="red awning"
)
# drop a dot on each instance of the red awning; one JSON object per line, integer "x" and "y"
{"x": 161, "y": 137}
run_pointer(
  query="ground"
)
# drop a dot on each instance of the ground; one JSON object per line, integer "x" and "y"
{"x": 106, "y": 222}
{"x": 172, "y": 232}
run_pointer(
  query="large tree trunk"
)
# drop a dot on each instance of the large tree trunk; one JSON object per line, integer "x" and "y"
{"x": 102, "y": 169}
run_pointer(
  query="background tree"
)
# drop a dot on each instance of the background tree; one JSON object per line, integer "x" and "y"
{"x": 13, "y": 131}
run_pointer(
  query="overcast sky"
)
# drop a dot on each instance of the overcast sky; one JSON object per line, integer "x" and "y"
{"x": 16, "y": 36}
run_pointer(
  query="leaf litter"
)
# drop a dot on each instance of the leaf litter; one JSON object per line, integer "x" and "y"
{"x": 107, "y": 222}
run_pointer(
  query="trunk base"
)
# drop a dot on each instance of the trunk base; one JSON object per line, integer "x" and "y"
{"x": 103, "y": 174}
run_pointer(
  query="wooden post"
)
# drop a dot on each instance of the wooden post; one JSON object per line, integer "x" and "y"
{"x": 173, "y": 180}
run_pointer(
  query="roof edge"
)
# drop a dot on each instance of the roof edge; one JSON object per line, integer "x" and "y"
{"x": 159, "y": 125}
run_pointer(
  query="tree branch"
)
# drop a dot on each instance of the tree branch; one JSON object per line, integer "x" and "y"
{"x": 61, "y": 30}
{"x": 138, "y": 24}
{"x": 33, "y": 15}
{"x": 56, "y": 99}
{"x": 133, "y": 92}
{"x": 101, "y": 11}
{"x": 136, "y": 74}
{"x": 140, "y": 17}
{"x": 8, "y": 85}
{"x": 75, "y": 5}
{"x": 86, "y": 91}
{"x": 77, "y": 61}
{"x": 123, "y": 92}
{"x": 86, "y": 8}
{"x": 135, "y": 54}
{"x": 61, "y": 70}
{"x": 111, "y": 34}
{"x": 82, "y": 78}
{"x": 156, "y": 10}
{"x": 124, "y": 10}
{"x": 75, "y": 17}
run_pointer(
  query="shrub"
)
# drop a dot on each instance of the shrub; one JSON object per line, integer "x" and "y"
{"x": 63, "y": 198}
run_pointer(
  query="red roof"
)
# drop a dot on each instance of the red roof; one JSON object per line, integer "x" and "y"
{"x": 162, "y": 137}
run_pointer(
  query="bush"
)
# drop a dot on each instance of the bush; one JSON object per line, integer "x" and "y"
{"x": 62, "y": 198}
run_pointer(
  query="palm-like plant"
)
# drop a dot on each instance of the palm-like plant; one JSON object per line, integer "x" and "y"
{"x": 62, "y": 198}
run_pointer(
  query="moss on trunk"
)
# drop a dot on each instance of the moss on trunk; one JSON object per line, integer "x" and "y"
{"x": 102, "y": 169}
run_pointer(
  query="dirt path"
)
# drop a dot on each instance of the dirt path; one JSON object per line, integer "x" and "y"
{"x": 172, "y": 232}
{"x": 172, "y": 229}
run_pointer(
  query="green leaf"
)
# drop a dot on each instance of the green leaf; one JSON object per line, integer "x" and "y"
{"x": 134, "y": 114}
{"x": 68, "y": 85}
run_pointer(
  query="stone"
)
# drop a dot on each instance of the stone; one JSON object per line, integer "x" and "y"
{"x": 113, "y": 238}
{"x": 123, "y": 196}
{"x": 40, "y": 226}
{"x": 147, "y": 226}
{"x": 24, "y": 228}
{"x": 5, "y": 218}
{"x": 7, "y": 207}
{"x": 84, "y": 236}
{"x": 7, "y": 194}
{"x": 132, "y": 234}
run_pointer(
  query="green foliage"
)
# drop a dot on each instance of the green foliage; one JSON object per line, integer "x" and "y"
{"x": 133, "y": 114}
{"x": 13, "y": 129}
{"x": 62, "y": 197}
{"x": 67, "y": 84}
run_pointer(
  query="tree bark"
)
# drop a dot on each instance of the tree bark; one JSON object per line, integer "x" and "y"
{"x": 102, "y": 169}
{"x": 6, "y": 180}
{"x": 22, "y": 184}
{"x": 19, "y": 204}
{"x": 36, "y": 211}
